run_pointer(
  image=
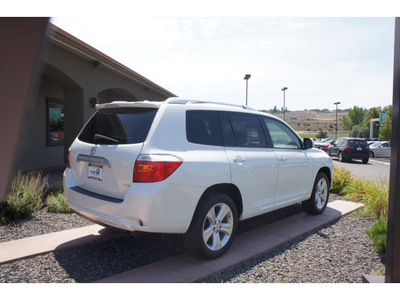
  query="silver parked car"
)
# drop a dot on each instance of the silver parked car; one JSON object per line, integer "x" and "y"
{"x": 380, "y": 149}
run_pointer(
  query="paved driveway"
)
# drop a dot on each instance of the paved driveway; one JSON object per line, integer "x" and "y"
{"x": 373, "y": 170}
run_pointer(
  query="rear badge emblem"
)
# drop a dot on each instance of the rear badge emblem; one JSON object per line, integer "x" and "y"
{"x": 92, "y": 150}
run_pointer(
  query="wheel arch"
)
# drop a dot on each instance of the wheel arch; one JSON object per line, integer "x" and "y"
{"x": 225, "y": 188}
{"x": 327, "y": 172}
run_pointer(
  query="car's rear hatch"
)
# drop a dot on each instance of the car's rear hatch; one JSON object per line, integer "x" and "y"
{"x": 103, "y": 156}
{"x": 358, "y": 147}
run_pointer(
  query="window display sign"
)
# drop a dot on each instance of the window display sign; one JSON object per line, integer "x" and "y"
{"x": 55, "y": 122}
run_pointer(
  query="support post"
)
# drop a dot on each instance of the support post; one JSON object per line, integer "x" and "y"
{"x": 393, "y": 235}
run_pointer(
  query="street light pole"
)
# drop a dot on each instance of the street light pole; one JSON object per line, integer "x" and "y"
{"x": 284, "y": 89}
{"x": 336, "y": 103}
{"x": 247, "y": 77}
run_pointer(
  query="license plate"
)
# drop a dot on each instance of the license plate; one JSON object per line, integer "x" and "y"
{"x": 359, "y": 148}
{"x": 95, "y": 172}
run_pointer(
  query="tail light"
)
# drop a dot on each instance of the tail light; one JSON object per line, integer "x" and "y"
{"x": 367, "y": 148}
{"x": 69, "y": 160}
{"x": 154, "y": 168}
{"x": 348, "y": 148}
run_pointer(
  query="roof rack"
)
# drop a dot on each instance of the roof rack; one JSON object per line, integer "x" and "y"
{"x": 181, "y": 101}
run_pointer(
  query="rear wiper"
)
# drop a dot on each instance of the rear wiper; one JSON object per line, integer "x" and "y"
{"x": 103, "y": 137}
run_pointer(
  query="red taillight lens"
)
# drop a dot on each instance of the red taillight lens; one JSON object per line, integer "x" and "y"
{"x": 367, "y": 148}
{"x": 69, "y": 160}
{"x": 154, "y": 168}
{"x": 348, "y": 148}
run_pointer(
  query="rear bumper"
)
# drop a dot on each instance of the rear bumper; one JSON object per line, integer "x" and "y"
{"x": 356, "y": 155}
{"x": 158, "y": 205}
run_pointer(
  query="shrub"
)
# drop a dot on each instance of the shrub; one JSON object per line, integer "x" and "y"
{"x": 341, "y": 178}
{"x": 57, "y": 203}
{"x": 378, "y": 233}
{"x": 56, "y": 188}
{"x": 25, "y": 196}
{"x": 372, "y": 193}
{"x": 322, "y": 134}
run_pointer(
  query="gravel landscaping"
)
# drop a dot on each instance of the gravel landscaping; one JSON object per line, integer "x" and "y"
{"x": 41, "y": 222}
{"x": 338, "y": 252}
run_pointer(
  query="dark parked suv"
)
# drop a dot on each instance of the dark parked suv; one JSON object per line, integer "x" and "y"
{"x": 346, "y": 149}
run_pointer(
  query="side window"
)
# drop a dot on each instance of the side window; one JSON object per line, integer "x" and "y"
{"x": 247, "y": 131}
{"x": 203, "y": 127}
{"x": 281, "y": 135}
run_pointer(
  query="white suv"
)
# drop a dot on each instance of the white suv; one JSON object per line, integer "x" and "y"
{"x": 191, "y": 167}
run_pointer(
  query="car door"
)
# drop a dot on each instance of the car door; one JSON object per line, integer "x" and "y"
{"x": 385, "y": 150}
{"x": 254, "y": 168}
{"x": 334, "y": 150}
{"x": 295, "y": 177}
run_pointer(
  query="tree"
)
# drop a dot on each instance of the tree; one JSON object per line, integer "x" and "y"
{"x": 385, "y": 130}
{"x": 356, "y": 117}
{"x": 321, "y": 135}
{"x": 359, "y": 131}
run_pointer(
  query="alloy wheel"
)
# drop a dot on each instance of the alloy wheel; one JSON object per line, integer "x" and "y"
{"x": 321, "y": 193}
{"x": 218, "y": 226}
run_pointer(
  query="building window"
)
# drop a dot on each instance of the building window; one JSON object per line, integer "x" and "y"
{"x": 55, "y": 122}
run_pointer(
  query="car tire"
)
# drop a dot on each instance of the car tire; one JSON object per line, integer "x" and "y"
{"x": 365, "y": 160}
{"x": 213, "y": 227}
{"x": 319, "y": 197}
{"x": 372, "y": 154}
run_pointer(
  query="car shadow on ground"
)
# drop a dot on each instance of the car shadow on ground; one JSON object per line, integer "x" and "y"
{"x": 352, "y": 161}
{"x": 92, "y": 262}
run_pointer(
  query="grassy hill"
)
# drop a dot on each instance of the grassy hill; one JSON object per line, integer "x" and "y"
{"x": 310, "y": 123}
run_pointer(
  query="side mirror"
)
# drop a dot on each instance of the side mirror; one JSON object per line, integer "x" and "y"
{"x": 308, "y": 143}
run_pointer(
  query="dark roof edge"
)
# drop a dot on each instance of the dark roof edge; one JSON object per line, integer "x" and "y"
{"x": 55, "y": 32}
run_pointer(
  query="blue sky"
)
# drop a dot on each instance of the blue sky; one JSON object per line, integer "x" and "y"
{"x": 203, "y": 52}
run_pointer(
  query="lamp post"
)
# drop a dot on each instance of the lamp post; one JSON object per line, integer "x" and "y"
{"x": 336, "y": 103}
{"x": 247, "y": 77}
{"x": 284, "y": 89}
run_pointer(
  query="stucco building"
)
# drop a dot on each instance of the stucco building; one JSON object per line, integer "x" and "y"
{"x": 75, "y": 77}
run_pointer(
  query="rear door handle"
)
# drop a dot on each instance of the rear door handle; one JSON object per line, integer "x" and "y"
{"x": 239, "y": 160}
{"x": 282, "y": 158}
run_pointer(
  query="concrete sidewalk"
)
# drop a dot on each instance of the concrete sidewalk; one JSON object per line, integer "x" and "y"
{"x": 188, "y": 268}
{"x": 41, "y": 244}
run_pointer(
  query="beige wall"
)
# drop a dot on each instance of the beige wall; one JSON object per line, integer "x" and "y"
{"x": 72, "y": 78}
{"x": 33, "y": 151}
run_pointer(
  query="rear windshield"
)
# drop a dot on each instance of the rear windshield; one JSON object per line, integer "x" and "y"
{"x": 118, "y": 126}
{"x": 357, "y": 143}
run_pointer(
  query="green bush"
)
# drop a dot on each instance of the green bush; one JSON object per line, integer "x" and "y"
{"x": 57, "y": 203}
{"x": 341, "y": 178}
{"x": 25, "y": 196}
{"x": 378, "y": 234}
{"x": 372, "y": 193}
{"x": 56, "y": 188}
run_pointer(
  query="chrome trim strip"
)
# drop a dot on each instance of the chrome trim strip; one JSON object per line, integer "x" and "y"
{"x": 94, "y": 159}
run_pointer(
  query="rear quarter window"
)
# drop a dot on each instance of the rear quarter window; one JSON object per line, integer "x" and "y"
{"x": 203, "y": 127}
{"x": 119, "y": 126}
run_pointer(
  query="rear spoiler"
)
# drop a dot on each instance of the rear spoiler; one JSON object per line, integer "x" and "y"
{"x": 117, "y": 104}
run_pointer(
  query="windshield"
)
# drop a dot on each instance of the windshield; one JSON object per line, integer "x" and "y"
{"x": 376, "y": 144}
{"x": 118, "y": 126}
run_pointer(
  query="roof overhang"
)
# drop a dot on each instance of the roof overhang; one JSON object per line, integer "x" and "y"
{"x": 72, "y": 44}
